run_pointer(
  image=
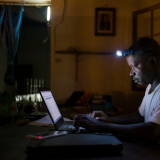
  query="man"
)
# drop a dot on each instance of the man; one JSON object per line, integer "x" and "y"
{"x": 144, "y": 59}
{"x": 105, "y": 23}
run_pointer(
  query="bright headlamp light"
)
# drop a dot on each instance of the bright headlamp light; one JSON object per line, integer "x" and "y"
{"x": 127, "y": 52}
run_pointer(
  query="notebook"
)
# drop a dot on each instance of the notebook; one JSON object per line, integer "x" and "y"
{"x": 54, "y": 111}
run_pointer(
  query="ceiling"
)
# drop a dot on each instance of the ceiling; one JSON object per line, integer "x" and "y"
{"x": 35, "y": 11}
{"x": 32, "y": 15}
{"x": 27, "y": 2}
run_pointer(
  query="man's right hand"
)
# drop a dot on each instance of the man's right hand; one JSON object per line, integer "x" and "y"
{"x": 100, "y": 116}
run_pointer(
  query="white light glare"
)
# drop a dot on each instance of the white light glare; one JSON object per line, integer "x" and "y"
{"x": 48, "y": 13}
{"x": 119, "y": 53}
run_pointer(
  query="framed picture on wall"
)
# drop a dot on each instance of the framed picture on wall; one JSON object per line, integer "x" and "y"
{"x": 105, "y": 21}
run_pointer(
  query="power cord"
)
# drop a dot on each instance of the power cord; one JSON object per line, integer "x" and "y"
{"x": 65, "y": 1}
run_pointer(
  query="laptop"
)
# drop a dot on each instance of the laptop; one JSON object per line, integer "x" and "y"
{"x": 54, "y": 111}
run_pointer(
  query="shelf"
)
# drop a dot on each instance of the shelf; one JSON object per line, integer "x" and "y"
{"x": 82, "y": 53}
{"x": 86, "y": 53}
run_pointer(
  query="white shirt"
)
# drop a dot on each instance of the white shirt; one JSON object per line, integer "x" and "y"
{"x": 150, "y": 106}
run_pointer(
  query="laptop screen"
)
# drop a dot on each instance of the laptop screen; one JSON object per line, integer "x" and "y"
{"x": 51, "y": 105}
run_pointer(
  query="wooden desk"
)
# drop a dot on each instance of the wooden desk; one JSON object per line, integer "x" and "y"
{"x": 13, "y": 145}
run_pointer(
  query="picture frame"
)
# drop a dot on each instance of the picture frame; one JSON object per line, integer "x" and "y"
{"x": 105, "y": 21}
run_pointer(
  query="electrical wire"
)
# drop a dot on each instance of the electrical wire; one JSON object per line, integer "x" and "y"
{"x": 64, "y": 9}
{"x": 48, "y": 29}
{"x": 47, "y": 49}
{"x": 46, "y": 66}
{"x": 59, "y": 23}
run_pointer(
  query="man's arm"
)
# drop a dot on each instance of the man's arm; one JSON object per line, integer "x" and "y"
{"x": 129, "y": 119}
{"x": 141, "y": 131}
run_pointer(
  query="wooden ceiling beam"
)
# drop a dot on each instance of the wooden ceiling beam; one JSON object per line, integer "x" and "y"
{"x": 26, "y": 3}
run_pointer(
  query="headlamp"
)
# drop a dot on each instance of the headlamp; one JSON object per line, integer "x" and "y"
{"x": 127, "y": 52}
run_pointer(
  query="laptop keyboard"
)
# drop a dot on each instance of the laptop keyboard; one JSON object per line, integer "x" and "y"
{"x": 67, "y": 125}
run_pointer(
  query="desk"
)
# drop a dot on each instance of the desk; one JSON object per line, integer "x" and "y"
{"x": 13, "y": 145}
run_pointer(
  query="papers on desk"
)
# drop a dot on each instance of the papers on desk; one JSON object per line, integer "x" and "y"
{"x": 45, "y": 121}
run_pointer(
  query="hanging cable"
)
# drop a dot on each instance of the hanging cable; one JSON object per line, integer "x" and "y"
{"x": 59, "y": 23}
{"x": 48, "y": 26}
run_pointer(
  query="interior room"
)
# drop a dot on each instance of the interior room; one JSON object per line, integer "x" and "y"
{"x": 68, "y": 48}
{"x": 74, "y": 58}
{"x": 97, "y": 71}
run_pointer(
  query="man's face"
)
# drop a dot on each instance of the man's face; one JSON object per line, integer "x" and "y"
{"x": 141, "y": 70}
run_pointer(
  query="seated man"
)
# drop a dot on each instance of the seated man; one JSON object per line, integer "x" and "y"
{"x": 144, "y": 59}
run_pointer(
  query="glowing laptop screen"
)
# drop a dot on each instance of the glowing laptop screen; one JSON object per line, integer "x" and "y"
{"x": 51, "y": 105}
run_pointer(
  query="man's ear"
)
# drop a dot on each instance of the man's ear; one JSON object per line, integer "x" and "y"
{"x": 153, "y": 61}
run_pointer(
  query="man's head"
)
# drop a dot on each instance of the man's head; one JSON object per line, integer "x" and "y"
{"x": 105, "y": 17}
{"x": 144, "y": 66}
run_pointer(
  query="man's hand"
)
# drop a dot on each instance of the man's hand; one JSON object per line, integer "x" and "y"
{"x": 141, "y": 131}
{"x": 100, "y": 116}
{"x": 87, "y": 122}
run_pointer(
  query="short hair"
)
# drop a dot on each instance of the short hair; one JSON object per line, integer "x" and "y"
{"x": 103, "y": 15}
{"x": 145, "y": 44}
